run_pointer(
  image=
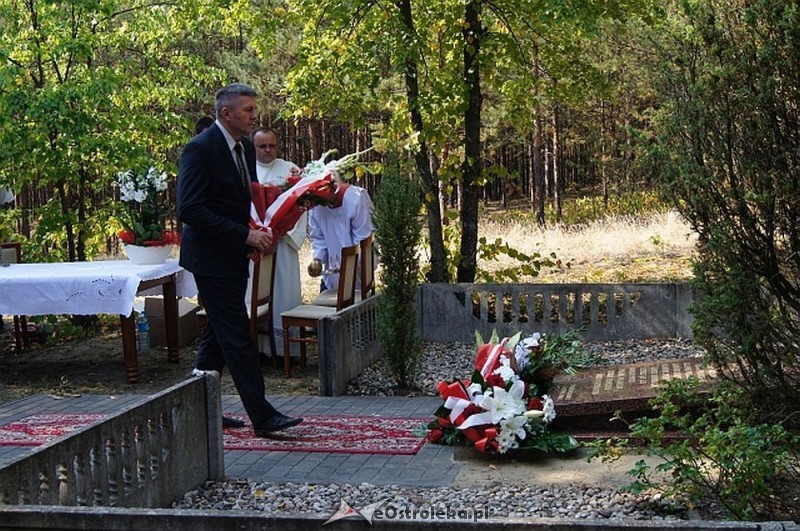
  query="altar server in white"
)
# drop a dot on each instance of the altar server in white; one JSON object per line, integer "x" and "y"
{"x": 344, "y": 219}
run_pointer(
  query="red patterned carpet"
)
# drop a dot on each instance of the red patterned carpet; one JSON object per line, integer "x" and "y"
{"x": 328, "y": 434}
{"x": 36, "y": 430}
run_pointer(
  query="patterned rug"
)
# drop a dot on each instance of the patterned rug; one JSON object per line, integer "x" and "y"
{"x": 36, "y": 430}
{"x": 328, "y": 434}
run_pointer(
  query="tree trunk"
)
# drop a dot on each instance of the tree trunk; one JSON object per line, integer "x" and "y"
{"x": 472, "y": 33}
{"x": 603, "y": 177}
{"x": 314, "y": 139}
{"x": 556, "y": 152}
{"x": 430, "y": 185}
{"x": 63, "y": 202}
{"x": 538, "y": 169}
{"x": 531, "y": 173}
{"x": 80, "y": 233}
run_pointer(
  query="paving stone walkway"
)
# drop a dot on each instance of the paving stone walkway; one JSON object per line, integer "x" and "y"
{"x": 593, "y": 392}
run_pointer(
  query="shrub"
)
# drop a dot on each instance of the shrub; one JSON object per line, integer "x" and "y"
{"x": 397, "y": 207}
{"x": 725, "y": 451}
{"x": 727, "y": 151}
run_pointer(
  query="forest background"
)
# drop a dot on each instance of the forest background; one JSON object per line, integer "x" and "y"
{"x": 620, "y": 107}
{"x": 483, "y": 101}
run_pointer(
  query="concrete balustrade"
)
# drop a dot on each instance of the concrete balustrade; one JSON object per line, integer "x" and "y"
{"x": 453, "y": 312}
{"x": 146, "y": 456}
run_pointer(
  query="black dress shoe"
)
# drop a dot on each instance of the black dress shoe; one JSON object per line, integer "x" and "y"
{"x": 228, "y": 422}
{"x": 276, "y": 423}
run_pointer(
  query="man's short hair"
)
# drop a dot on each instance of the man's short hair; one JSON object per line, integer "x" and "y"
{"x": 263, "y": 129}
{"x": 202, "y": 124}
{"x": 227, "y": 96}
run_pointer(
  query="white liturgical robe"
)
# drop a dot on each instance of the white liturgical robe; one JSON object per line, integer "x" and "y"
{"x": 287, "y": 291}
{"x": 334, "y": 228}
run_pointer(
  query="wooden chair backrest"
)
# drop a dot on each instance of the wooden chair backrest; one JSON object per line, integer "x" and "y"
{"x": 348, "y": 272}
{"x": 11, "y": 252}
{"x": 367, "y": 263}
{"x": 263, "y": 281}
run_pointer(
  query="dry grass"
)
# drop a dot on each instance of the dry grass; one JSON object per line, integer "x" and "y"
{"x": 653, "y": 249}
{"x": 657, "y": 248}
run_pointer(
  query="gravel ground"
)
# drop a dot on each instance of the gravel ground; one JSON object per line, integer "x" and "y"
{"x": 494, "y": 501}
{"x": 446, "y": 361}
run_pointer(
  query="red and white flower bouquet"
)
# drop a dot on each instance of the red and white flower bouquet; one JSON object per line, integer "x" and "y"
{"x": 279, "y": 209}
{"x": 505, "y": 404}
{"x": 145, "y": 209}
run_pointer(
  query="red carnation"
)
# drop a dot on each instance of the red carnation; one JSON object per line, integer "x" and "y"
{"x": 127, "y": 236}
{"x": 434, "y": 435}
{"x": 495, "y": 380}
{"x": 535, "y": 403}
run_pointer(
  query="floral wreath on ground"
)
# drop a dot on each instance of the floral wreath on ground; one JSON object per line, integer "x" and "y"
{"x": 145, "y": 209}
{"x": 505, "y": 404}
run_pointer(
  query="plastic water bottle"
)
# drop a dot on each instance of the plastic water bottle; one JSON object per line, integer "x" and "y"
{"x": 142, "y": 334}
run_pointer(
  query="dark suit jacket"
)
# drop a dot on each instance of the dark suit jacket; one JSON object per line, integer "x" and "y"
{"x": 213, "y": 206}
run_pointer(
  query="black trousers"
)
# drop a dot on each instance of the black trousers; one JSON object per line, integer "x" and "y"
{"x": 227, "y": 341}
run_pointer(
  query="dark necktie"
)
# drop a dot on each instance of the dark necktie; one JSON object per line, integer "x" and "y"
{"x": 240, "y": 164}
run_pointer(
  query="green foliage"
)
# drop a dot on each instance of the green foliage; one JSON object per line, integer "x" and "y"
{"x": 89, "y": 88}
{"x": 727, "y": 149}
{"x": 590, "y": 208}
{"x": 555, "y": 354}
{"x": 7, "y": 216}
{"x": 725, "y": 451}
{"x": 586, "y": 208}
{"x": 527, "y": 265}
{"x": 396, "y": 214}
{"x": 406, "y": 60}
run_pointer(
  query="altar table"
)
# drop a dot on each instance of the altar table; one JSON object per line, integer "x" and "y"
{"x": 88, "y": 288}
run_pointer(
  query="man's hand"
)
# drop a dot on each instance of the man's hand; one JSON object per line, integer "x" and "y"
{"x": 260, "y": 240}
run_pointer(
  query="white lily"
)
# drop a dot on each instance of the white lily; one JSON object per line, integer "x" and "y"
{"x": 515, "y": 426}
{"x": 319, "y": 168}
{"x": 502, "y": 404}
{"x": 534, "y": 414}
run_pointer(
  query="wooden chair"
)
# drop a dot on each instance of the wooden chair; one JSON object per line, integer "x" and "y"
{"x": 12, "y": 254}
{"x": 259, "y": 302}
{"x": 306, "y": 316}
{"x": 259, "y": 307}
{"x": 366, "y": 266}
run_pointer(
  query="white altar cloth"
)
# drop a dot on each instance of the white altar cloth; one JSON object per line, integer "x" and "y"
{"x": 83, "y": 288}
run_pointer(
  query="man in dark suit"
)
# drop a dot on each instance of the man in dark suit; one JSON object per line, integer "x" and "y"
{"x": 213, "y": 203}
